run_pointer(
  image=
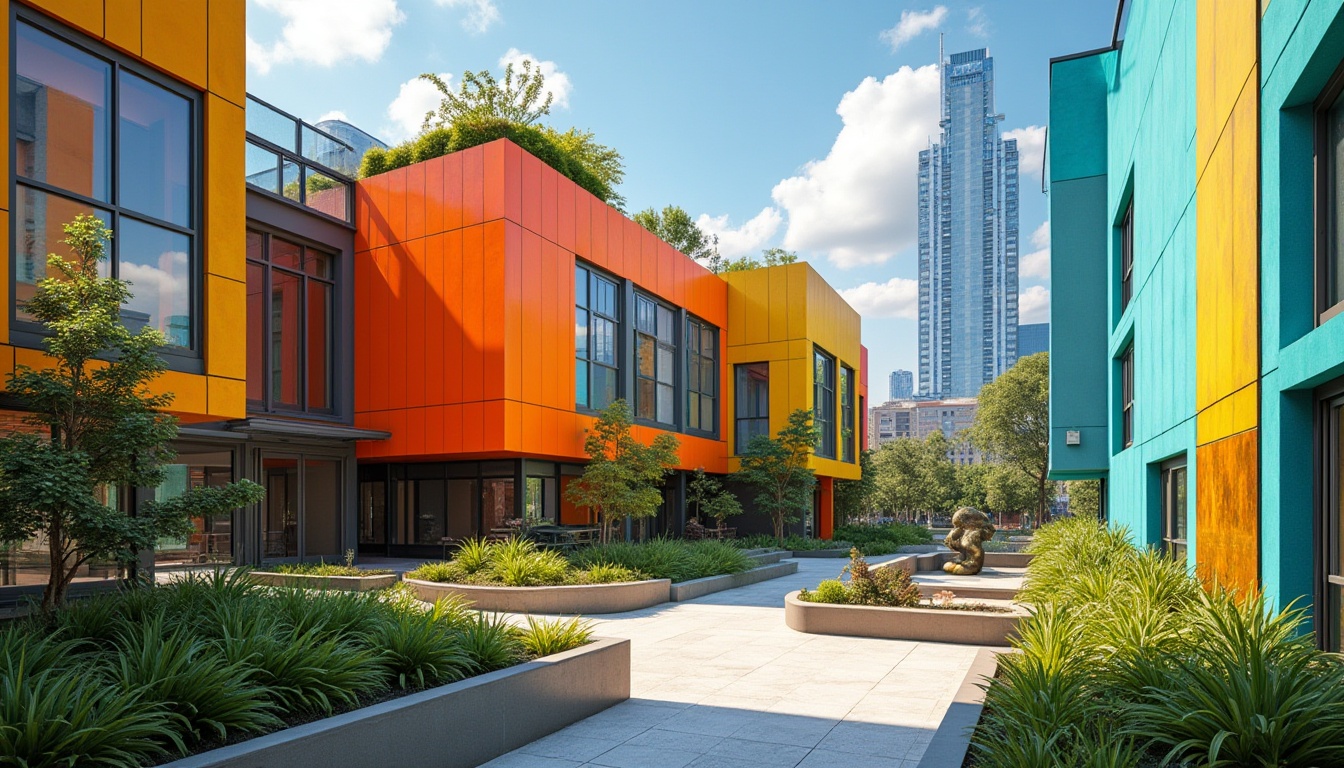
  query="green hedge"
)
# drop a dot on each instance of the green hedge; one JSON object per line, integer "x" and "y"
{"x": 471, "y": 133}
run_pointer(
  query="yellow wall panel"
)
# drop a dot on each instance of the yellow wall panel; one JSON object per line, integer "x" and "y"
{"x": 1225, "y": 57}
{"x": 32, "y": 358}
{"x": 227, "y": 397}
{"x": 1235, "y": 413}
{"x": 797, "y": 301}
{"x": 226, "y": 341}
{"x": 225, "y": 196}
{"x": 6, "y": 362}
{"x": 4, "y": 282}
{"x": 779, "y": 306}
{"x": 227, "y": 49}
{"x": 188, "y": 390}
{"x": 86, "y": 15}
{"x": 123, "y": 25}
{"x": 174, "y": 38}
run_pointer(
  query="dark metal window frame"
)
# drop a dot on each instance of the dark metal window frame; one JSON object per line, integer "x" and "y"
{"x": 695, "y": 326}
{"x": 823, "y": 392}
{"x": 29, "y": 334}
{"x": 1127, "y": 397}
{"x": 738, "y": 448}
{"x": 268, "y": 404}
{"x": 1326, "y": 175}
{"x": 1127, "y": 256}
{"x": 1168, "y": 470}
{"x": 303, "y": 163}
{"x": 643, "y": 333}
{"x": 847, "y": 434}
{"x": 1328, "y": 522}
{"x": 615, "y": 370}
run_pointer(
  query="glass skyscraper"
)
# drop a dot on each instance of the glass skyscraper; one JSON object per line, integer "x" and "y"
{"x": 967, "y": 238}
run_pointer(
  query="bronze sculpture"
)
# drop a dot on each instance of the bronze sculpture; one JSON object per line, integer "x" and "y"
{"x": 970, "y": 530}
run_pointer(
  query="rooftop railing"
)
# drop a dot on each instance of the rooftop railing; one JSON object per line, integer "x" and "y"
{"x": 299, "y": 162}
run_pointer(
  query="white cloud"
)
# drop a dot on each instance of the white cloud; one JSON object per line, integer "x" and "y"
{"x": 859, "y": 204}
{"x": 325, "y": 32}
{"x": 912, "y": 25}
{"x": 1037, "y": 263}
{"x": 1030, "y": 149}
{"x": 1033, "y": 305}
{"x": 481, "y": 14}
{"x": 748, "y": 239}
{"x": 898, "y": 297}
{"x": 334, "y": 114}
{"x": 977, "y": 23}
{"x": 557, "y": 82}
{"x": 415, "y": 99}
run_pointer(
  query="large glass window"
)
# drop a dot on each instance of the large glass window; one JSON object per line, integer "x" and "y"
{"x": 1330, "y": 199}
{"x": 1127, "y": 256}
{"x": 702, "y": 378}
{"x": 752, "y": 404}
{"x": 847, "y": 414}
{"x": 1331, "y": 552}
{"x": 290, "y": 325}
{"x": 1127, "y": 397}
{"x": 655, "y": 361}
{"x": 823, "y": 402}
{"x": 301, "y": 514}
{"x": 211, "y": 541}
{"x": 596, "y": 321}
{"x": 1174, "y": 523}
{"x": 92, "y": 136}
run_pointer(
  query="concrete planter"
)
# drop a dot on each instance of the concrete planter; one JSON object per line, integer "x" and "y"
{"x": 931, "y": 625}
{"x": 952, "y": 740}
{"x": 1007, "y": 559}
{"x": 688, "y": 590}
{"x": 586, "y": 599}
{"x": 303, "y": 581}
{"x": 821, "y": 553}
{"x": 454, "y": 726}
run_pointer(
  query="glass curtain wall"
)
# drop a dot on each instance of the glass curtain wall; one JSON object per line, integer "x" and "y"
{"x": 212, "y": 539}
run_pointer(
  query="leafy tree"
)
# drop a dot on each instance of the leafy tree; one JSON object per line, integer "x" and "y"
{"x": 709, "y": 497}
{"x": 95, "y": 425}
{"x": 853, "y": 498}
{"x": 774, "y": 257}
{"x": 971, "y": 480}
{"x": 777, "y": 468}
{"x": 770, "y": 257}
{"x": 674, "y": 226}
{"x": 603, "y": 162}
{"x": 516, "y": 99}
{"x": 1009, "y": 490}
{"x": 1085, "y": 498}
{"x": 915, "y": 476}
{"x": 1012, "y": 423}
{"x": 623, "y": 476}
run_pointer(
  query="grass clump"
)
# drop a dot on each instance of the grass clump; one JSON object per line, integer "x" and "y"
{"x": 1129, "y": 661}
{"x": 664, "y": 558}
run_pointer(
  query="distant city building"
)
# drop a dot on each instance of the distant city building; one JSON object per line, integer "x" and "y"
{"x": 967, "y": 238}
{"x": 1033, "y": 338}
{"x": 902, "y": 385}
{"x": 920, "y": 418}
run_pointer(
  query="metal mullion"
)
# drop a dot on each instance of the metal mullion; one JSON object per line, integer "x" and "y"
{"x": 266, "y": 375}
{"x": 181, "y": 230}
{"x": 270, "y": 146}
{"x": 51, "y": 189}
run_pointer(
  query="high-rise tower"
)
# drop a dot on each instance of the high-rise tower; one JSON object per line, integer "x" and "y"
{"x": 967, "y": 237}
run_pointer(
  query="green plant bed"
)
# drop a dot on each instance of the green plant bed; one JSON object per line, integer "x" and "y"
{"x": 1127, "y": 660}
{"x": 152, "y": 673}
{"x": 326, "y": 569}
{"x": 669, "y": 558}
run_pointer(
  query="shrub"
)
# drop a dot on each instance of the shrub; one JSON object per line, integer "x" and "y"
{"x": 328, "y": 569}
{"x": 880, "y": 586}
{"x": 543, "y": 637}
{"x": 829, "y": 591}
{"x": 306, "y": 671}
{"x": 491, "y": 643}
{"x": 891, "y": 535}
{"x": 419, "y": 650}
{"x": 518, "y": 563}
{"x": 606, "y": 573}
{"x": 472, "y": 555}
{"x": 664, "y": 558}
{"x": 450, "y": 572}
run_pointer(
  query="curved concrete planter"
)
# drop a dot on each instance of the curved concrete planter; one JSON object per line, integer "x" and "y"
{"x": 303, "y": 581}
{"x": 586, "y": 599}
{"x": 689, "y": 590}
{"x": 454, "y": 726}
{"x": 821, "y": 553}
{"x": 931, "y": 625}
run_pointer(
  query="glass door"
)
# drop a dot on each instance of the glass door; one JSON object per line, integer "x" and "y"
{"x": 1174, "y": 512}
{"x": 1332, "y": 548}
{"x": 301, "y": 515}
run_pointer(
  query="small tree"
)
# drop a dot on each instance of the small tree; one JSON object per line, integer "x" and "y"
{"x": 1010, "y": 491}
{"x": 96, "y": 424}
{"x": 1012, "y": 423}
{"x": 674, "y": 226}
{"x": 853, "y": 498}
{"x": 708, "y": 496}
{"x": 1085, "y": 498}
{"x": 777, "y": 468}
{"x": 516, "y": 99}
{"x": 623, "y": 476}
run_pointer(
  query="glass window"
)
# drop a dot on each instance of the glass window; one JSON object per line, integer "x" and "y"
{"x": 847, "y": 414}
{"x": 1332, "y": 528}
{"x": 1127, "y": 398}
{"x": 702, "y": 375}
{"x": 1127, "y": 256}
{"x": 212, "y": 539}
{"x": 290, "y": 324}
{"x": 1174, "y": 521}
{"x": 752, "y": 404}
{"x": 596, "y": 324}
{"x": 823, "y": 402}
{"x": 655, "y": 356}
{"x": 65, "y": 162}
{"x": 1330, "y": 129}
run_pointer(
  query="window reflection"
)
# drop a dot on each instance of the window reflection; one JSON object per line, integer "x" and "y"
{"x": 212, "y": 539}
{"x": 154, "y": 139}
{"x": 156, "y": 263}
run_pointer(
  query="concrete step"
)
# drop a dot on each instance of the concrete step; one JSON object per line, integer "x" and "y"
{"x": 765, "y": 558}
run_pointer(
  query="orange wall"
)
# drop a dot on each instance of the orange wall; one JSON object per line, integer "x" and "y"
{"x": 464, "y": 306}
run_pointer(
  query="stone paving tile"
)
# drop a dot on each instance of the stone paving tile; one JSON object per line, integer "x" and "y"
{"x": 720, "y": 682}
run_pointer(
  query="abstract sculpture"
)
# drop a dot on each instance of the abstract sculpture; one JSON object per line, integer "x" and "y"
{"x": 970, "y": 530}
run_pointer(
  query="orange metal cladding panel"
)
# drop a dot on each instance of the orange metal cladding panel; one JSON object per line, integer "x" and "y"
{"x": 597, "y": 228}
{"x": 494, "y": 181}
{"x": 473, "y": 314}
{"x": 628, "y": 235}
{"x": 383, "y": 302}
{"x": 362, "y": 220}
{"x": 531, "y": 190}
{"x": 436, "y": 312}
{"x": 452, "y": 192}
{"x": 473, "y": 186}
{"x": 412, "y": 363}
{"x": 415, "y": 201}
{"x": 550, "y": 215}
{"x": 565, "y": 212}
{"x": 648, "y": 260}
{"x": 397, "y": 321}
{"x": 513, "y": 187}
{"x": 528, "y": 310}
{"x": 1226, "y": 511}
{"x": 553, "y": 323}
{"x": 434, "y": 196}
{"x": 826, "y": 512}
{"x": 514, "y": 327}
{"x": 396, "y": 205}
{"x": 619, "y": 258}
{"x": 453, "y": 326}
{"x": 583, "y": 224}
{"x": 494, "y": 309}
{"x": 473, "y": 417}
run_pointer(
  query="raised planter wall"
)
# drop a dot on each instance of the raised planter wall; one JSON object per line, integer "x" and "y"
{"x": 920, "y": 624}
{"x": 586, "y": 599}
{"x": 454, "y": 726}
{"x": 689, "y": 590}
{"x": 304, "y": 581}
{"x": 952, "y": 740}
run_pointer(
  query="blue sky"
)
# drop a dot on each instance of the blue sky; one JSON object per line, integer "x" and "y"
{"x": 792, "y": 123}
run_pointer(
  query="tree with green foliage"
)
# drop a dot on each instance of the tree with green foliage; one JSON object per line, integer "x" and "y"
{"x": 777, "y": 468}
{"x": 1009, "y": 491}
{"x": 623, "y": 477}
{"x": 1012, "y": 423}
{"x": 603, "y": 162}
{"x": 971, "y": 485}
{"x": 709, "y": 498}
{"x": 1085, "y": 498}
{"x": 95, "y": 424}
{"x": 770, "y": 257}
{"x": 674, "y": 226}
{"x": 916, "y": 476}
{"x": 518, "y": 98}
{"x": 853, "y": 498}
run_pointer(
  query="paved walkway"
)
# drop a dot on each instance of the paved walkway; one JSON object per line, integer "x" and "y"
{"x": 720, "y": 682}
